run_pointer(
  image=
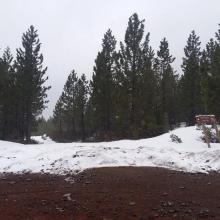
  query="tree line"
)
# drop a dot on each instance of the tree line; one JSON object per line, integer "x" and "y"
{"x": 134, "y": 92}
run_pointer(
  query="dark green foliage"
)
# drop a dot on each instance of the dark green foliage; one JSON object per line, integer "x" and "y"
{"x": 148, "y": 89}
{"x": 102, "y": 85}
{"x": 7, "y": 96}
{"x": 69, "y": 112}
{"x": 191, "y": 80}
{"x": 58, "y": 115}
{"x": 138, "y": 107}
{"x": 210, "y": 68}
{"x": 130, "y": 58}
{"x": 167, "y": 85}
{"x": 81, "y": 101}
{"x": 23, "y": 94}
{"x": 30, "y": 79}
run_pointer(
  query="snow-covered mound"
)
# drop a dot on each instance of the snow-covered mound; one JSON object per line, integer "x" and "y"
{"x": 42, "y": 139}
{"x": 192, "y": 155}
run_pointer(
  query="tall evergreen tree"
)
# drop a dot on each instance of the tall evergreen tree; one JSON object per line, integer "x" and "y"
{"x": 191, "y": 79}
{"x": 70, "y": 103}
{"x": 211, "y": 76}
{"x": 102, "y": 84}
{"x": 7, "y": 98}
{"x": 81, "y": 101}
{"x": 168, "y": 83}
{"x": 130, "y": 66}
{"x": 148, "y": 89}
{"x": 30, "y": 82}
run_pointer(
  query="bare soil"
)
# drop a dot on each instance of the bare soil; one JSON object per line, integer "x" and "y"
{"x": 111, "y": 193}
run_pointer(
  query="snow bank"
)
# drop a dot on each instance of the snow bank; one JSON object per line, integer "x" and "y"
{"x": 42, "y": 139}
{"x": 191, "y": 156}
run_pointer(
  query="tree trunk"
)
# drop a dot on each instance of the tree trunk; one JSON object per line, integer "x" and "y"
{"x": 28, "y": 124}
{"x": 73, "y": 128}
{"x": 82, "y": 126}
{"x": 60, "y": 126}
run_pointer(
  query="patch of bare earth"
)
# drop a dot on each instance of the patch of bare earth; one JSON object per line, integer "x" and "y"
{"x": 111, "y": 193}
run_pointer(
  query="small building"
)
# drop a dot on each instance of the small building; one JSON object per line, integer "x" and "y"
{"x": 205, "y": 120}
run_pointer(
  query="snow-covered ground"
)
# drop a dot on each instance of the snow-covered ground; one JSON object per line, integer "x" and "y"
{"x": 192, "y": 155}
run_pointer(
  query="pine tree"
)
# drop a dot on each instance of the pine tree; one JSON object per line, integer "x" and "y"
{"x": 211, "y": 76}
{"x": 130, "y": 64}
{"x": 205, "y": 91}
{"x": 70, "y": 104}
{"x": 7, "y": 96}
{"x": 102, "y": 84}
{"x": 30, "y": 82}
{"x": 81, "y": 101}
{"x": 191, "y": 79}
{"x": 148, "y": 89}
{"x": 168, "y": 84}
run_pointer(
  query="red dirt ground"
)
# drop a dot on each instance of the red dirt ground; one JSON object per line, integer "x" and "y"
{"x": 111, "y": 193}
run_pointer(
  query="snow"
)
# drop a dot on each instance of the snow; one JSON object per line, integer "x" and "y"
{"x": 42, "y": 139}
{"x": 192, "y": 155}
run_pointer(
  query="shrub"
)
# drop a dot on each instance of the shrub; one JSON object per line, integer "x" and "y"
{"x": 175, "y": 139}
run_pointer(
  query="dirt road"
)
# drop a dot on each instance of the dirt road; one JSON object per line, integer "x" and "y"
{"x": 111, "y": 193}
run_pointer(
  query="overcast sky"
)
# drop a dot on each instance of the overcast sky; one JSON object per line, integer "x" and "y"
{"x": 71, "y": 31}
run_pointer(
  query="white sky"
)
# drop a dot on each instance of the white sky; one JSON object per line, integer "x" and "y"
{"x": 71, "y": 31}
